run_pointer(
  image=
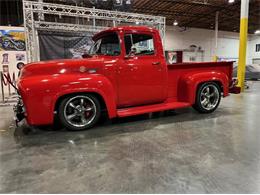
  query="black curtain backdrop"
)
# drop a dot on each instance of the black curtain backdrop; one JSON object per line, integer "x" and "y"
{"x": 63, "y": 46}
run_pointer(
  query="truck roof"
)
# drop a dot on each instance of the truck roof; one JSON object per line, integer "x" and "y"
{"x": 124, "y": 28}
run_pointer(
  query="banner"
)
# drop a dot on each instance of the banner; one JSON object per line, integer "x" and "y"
{"x": 122, "y": 5}
{"x": 63, "y": 46}
{"x": 12, "y": 40}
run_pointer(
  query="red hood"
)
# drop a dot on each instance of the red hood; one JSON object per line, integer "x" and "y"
{"x": 62, "y": 66}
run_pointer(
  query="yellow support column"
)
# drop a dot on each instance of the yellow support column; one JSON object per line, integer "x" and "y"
{"x": 243, "y": 44}
{"x": 215, "y": 58}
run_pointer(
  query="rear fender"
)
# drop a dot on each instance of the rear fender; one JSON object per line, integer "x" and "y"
{"x": 189, "y": 84}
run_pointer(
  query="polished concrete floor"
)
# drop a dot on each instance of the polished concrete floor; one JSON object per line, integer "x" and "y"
{"x": 173, "y": 152}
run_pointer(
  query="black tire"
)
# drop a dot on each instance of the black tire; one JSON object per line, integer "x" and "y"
{"x": 213, "y": 101}
{"x": 74, "y": 123}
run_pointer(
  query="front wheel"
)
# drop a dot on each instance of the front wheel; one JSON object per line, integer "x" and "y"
{"x": 79, "y": 112}
{"x": 208, "y": 98}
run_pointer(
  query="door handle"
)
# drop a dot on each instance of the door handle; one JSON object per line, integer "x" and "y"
{"x": 156, "y": 63}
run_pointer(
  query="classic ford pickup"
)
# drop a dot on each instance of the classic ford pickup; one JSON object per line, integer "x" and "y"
{"x": 124, "y": 74}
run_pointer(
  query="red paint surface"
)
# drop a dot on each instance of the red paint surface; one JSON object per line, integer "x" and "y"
{"x": 128, "y": 86}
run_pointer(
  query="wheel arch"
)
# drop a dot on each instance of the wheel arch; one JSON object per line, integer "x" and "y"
{"x": 218, "y": 82}
{"x": 104, "y": 102}
{"x": 190, "y": 83}
{"x": 97, "y": 95}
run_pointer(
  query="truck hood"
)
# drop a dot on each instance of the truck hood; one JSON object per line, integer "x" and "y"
{"x": 55, "y": 67}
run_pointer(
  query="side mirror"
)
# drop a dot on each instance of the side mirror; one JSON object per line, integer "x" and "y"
{"x": 131, "y": 53}
{"x": 127, "y": 57}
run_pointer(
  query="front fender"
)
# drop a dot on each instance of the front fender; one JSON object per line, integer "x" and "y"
{"x": 92, "y": 83}
{"x": 41, "y": 93}
{"x": 189, "y": 84}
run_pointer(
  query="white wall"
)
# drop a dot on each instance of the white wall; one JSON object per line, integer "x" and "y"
{"x": 252, "y": 54}
{"x": 228, "y": 42}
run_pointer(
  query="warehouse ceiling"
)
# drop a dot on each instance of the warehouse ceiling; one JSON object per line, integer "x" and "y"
{"x": 188, "y": 13}
{"x": 201, "y": 13}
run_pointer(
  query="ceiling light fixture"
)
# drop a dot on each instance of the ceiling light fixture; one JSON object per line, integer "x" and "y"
{"x": 175, "y": 23}
{"x": 231, "y": 1}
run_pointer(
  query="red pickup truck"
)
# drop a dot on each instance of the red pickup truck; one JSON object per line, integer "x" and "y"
{"x": 124, "y": 74}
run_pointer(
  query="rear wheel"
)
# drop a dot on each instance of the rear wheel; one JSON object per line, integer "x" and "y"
{"x": 208, "y": 98}
{"x": 79, "y": 112}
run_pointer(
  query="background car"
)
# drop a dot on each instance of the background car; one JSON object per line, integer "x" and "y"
{"x": 252, "y": 71}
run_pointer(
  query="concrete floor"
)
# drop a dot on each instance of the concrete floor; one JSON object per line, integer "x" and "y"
{"x": 180, "y": 152}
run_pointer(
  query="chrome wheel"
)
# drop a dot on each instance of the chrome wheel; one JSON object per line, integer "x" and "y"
{"x": 80, "y": 111}
{"x": 209, "y": 97}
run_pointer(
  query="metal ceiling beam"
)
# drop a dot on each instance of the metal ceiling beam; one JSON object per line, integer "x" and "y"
{"x": 207, "y": 14}
{"x": 165, "y": 13}
{"x": 192, "y": 3}
{"x": 34, "y": 20}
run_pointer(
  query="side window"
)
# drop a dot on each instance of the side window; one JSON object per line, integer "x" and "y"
{"x": 139, "y": 44}
{"x": 108, "y": 45}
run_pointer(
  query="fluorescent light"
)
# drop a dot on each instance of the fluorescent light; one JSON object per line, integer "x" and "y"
{"x": 231, "y": 1}
{"x": 257, "y": 32}
{"x": 175, "y": 23}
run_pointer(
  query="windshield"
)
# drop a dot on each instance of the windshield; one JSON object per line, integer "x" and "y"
{"x": 106, "y": 45}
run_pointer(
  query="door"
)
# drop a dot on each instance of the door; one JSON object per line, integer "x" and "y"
{"x": 141, "y": 75}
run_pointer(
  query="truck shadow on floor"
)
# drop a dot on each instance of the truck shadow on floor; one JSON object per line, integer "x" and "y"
{"x": 31, "y": 136}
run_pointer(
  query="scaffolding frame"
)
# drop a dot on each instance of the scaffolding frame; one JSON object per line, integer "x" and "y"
{"x": 34, "y": 20}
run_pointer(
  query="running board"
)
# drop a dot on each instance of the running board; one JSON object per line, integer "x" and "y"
{"x": 124, "y": 112}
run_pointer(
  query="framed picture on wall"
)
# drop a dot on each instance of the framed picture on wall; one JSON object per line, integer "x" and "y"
{"x": 257, "y": 47}
{"x": 5, "y": 68}
{"x": 5, "y": 59}
{"x": 171, "y": 57}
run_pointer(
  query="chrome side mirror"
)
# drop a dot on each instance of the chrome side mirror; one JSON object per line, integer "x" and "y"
{"x": 131, "y": 53}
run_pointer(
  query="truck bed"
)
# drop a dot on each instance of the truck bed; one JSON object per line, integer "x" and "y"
{"x": 177, "y": 71}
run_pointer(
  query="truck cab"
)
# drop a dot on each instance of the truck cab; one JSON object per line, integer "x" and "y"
{"x": 138, "y": 64}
